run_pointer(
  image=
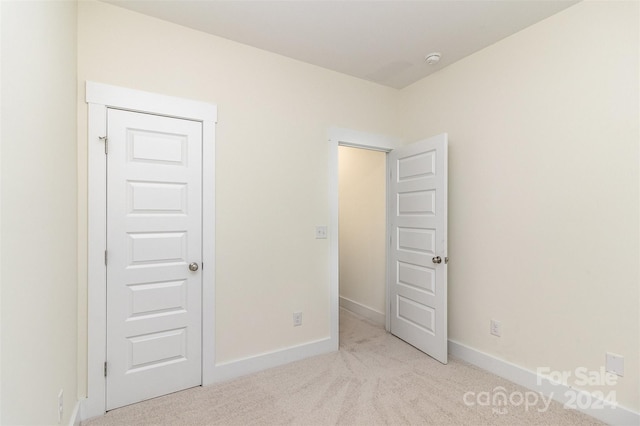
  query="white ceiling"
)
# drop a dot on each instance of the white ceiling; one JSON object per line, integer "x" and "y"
{"x": 381, "y": 41}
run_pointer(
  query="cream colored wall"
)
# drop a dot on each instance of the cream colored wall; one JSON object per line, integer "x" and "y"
{"x": 544, "y": 210}
{"x": 362, "y": 217}
{"x": 1, "y": 99}
{"x": 271, "y": 165}
{"x": 543, "y": 191}
{"x": 38, "y": 202}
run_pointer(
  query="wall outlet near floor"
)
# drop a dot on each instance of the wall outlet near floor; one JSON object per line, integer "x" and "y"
{"x": 614, "y": 363}
{"x": 297, "y": 319}
{"x": 495, "y": 328}
{"x": 321, "y": 232}
{"x": 60, "y": 405}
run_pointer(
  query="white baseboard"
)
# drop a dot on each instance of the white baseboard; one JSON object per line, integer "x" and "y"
{"x": 362, "y": 310}
{"x": 76, "y": 417}
{"x": 242, "y": 367}
{"x": 603, "y": 410}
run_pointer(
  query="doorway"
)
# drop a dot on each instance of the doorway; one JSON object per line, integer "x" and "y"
{"x": 101, "y": 99}
{"x": 416, "y": 256}
{"x": 338, "y": 137}
{"x": 362, "y": 231}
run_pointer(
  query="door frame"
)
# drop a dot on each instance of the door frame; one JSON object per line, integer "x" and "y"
{"x": 99, "y": 98}
{"x": 354, "y": 139}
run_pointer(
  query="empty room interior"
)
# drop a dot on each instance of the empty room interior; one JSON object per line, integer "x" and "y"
{"x": 284, "y": 192}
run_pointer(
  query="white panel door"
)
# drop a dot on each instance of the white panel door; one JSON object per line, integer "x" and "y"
{"x": 418, "y": 227}
{"x": 154, "y": 216}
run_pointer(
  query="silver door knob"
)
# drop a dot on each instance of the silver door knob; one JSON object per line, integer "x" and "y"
{"x": 437, "y": 259}
{"x": 193, "y": 266}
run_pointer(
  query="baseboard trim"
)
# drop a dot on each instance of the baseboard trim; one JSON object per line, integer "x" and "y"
{"x": 605, "y": 411}
{"x": 76, "y": 417}
{"x": 362, "y": 310}
{"x": 241, "y": 367}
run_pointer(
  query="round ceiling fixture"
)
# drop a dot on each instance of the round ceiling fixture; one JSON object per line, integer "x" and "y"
{"x": 432, "y": 58}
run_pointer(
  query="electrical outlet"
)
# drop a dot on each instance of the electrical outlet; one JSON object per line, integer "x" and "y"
{"x": 495, "y": 328}
{"x": 297, "y": 319}
{"x": 60, "y": 405}
{"x": 321, "y": 232}
{"x": 614, "y": 364}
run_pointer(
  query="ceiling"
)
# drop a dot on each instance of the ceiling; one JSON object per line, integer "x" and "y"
{"x": 380, "y": 41}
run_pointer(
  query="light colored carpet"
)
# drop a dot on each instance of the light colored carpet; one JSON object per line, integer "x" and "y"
{"x": 373, "y": 379}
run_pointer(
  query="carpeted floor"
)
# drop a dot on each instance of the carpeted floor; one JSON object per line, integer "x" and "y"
{"x": 373, "y": 379}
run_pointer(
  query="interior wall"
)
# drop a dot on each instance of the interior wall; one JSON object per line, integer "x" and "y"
{"x": 543, "y": 182}
{"x": 1, "y": 99}
{"x": 544, "y": 191}
{"x": 362, "y": 230}
{"x": 271, "y": 165}
{"x": 38, "y": 211}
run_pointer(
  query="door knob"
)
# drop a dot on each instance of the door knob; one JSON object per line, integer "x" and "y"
{"x": 193, "y": 266}
{"x": 437, "y": 259}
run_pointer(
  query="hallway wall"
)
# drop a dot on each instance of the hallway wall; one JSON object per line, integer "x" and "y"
{"x": 362, "y": 218}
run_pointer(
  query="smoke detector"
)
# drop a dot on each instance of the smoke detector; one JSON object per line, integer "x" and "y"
{"x": 432, "y": 58}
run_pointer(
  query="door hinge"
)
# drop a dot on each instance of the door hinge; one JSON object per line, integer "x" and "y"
{"x": 105, "y": 258}
{"x": 106, "y": 143}
{"x": 105, "y": 369}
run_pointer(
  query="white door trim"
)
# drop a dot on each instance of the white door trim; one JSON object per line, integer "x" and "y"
{"x": 356, "y": 139}
{"x": 99, "y": 97}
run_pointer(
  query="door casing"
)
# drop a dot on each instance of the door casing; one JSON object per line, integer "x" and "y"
{"x": 99, "y": 98}
{"x": 345, "y": 137}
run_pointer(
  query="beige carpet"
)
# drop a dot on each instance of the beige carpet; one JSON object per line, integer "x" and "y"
{"x": 375, "y": 378}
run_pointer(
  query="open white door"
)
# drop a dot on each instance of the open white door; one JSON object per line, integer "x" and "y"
{"x": 418, "y": 254}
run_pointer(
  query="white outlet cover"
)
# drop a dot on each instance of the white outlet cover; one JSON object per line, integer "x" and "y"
{"x": 60, "y": 405}
{"x": 297, "y": 319}
{"x": 321, "y": 232}
{"x": 615, "y": 364}
{"x": 495, "y": 328}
